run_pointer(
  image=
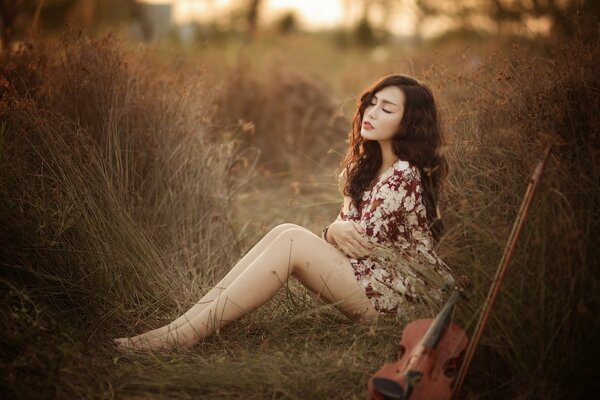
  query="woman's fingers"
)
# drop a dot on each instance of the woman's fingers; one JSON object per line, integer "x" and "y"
{"x": 358, "y": 227}
{"x": 359, "y": 245}
{"x": 353, "y": 241}
{"x": 362, "y": 239}
{"x": 348, "y": 251}
{"x": 361, "y": 235}
{"x": 350, "y": 247}
{"x": 355, "y": 247}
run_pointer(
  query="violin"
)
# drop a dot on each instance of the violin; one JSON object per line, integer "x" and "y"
{"x": 431, "y": 350}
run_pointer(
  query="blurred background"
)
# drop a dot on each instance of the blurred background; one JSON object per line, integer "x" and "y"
{"x": 145, "y": 146}
{"x": 367, "y": 22}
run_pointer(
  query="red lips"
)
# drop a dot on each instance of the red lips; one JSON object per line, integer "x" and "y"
{"x": 367, "y": 125}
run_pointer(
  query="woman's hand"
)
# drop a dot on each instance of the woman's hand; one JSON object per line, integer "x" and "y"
{"x": 350, "y": 237}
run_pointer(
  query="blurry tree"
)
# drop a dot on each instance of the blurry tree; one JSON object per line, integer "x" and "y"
{"x": 364, "y": 32}
{"x": 19, "y": 17}
{"x": 250, "y": 11}
{"x": 505, "y": 13}
{"x": 254, "y": 7}
{"x": 374, "y": 18}
{"x": 138, "y": 15}
{"x": 57, "y": 14}
{"x": 9, "y": 10}
{"x": 245, "y": 16}
{"x": 287, "y": 23}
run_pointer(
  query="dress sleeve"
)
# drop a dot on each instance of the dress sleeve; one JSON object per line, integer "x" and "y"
{"x": 396, "y": 209}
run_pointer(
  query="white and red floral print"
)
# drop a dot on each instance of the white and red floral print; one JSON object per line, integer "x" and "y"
{"x": 405, "y": 268}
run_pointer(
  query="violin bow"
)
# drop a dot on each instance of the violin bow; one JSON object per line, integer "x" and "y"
{"x": 501, "y": 272}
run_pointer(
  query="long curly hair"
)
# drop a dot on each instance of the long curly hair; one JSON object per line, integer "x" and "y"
{"x": 418, "y": 140}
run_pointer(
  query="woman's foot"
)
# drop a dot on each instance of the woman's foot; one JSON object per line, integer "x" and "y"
{"x": 167, "y": 342}
{"x": 154, "y": 333}
{"x": 128, "y": 343}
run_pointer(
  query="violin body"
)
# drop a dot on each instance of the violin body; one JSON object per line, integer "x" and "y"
{"x": 431, "y": 351}
{"x": 435, "y": 364}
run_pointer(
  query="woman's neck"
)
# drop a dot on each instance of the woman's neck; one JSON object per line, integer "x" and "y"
{"x": 388, "y": 158}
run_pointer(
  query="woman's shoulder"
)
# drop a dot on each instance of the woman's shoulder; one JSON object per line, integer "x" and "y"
{"x": 404, "y": 177}
{"x": 405, "y": 170}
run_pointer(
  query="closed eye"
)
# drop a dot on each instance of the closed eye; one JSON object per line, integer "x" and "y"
{"x": 385, "y": 111}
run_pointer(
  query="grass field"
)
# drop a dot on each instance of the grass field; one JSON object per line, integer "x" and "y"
{"x": 131, "y": 179}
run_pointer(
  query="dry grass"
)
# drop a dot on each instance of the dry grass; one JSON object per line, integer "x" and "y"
{"x": 543, "y": 322}
{"x": 128, "y": 185}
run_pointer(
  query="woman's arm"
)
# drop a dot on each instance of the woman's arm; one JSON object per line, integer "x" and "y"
{"x": 348, "y": 236}
{"x": 345, "y": 203}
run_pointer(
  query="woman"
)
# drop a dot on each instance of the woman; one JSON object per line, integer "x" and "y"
{"x": 377, "y": 257}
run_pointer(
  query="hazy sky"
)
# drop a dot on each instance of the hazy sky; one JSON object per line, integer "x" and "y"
{"x": 312, "y": 14}
{"x": 318, "y": 14}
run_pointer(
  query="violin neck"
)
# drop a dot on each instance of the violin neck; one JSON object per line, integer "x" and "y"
{"x": 438, "y": 327}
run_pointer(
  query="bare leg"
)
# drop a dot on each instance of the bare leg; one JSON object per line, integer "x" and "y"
{"x": 218, "y": 288}
{"x": 319, "y": 266}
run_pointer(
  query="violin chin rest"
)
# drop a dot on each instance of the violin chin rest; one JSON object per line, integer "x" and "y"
{"x": 389, "y": 389}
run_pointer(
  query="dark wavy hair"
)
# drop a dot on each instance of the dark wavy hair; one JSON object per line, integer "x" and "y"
{"x": 418, "y": 140}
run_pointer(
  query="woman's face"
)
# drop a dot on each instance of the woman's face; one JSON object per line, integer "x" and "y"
{"x": 382, "y": 117}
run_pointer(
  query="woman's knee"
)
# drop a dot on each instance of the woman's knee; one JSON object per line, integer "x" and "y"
{"x": 283, "y": 227}
{"x": 289, "y": 229}
{"x": 295, "y": 233}
{"x": 305, "y": 247}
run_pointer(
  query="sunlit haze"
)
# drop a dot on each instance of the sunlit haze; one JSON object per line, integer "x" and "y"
{"x": 312, "y": 14}
{"x": 325, "y": 14}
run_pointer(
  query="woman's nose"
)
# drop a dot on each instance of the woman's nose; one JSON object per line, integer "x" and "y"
{"x": 372, "y": 113}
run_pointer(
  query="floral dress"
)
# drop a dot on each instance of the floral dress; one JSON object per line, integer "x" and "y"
{"x": 404, "y": 269}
